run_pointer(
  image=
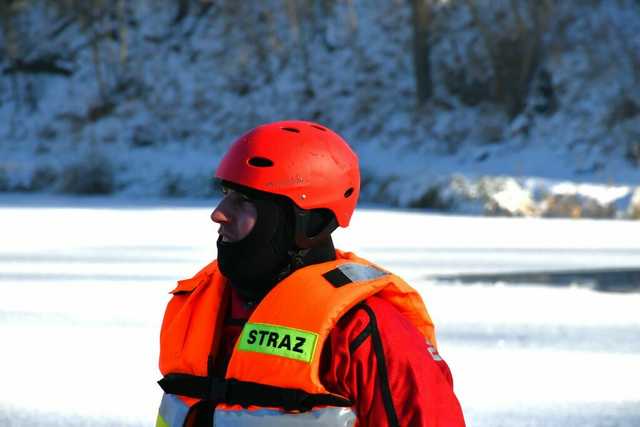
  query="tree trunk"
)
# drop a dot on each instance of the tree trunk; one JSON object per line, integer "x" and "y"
{"x": 421, "y": 54}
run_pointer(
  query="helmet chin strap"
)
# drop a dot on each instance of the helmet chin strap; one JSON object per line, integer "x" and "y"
{"x": 311, "y": 227}
{"x": 312, "y": 237}
{"x": 310, "y": 249}
{"x": 323, "y": 251}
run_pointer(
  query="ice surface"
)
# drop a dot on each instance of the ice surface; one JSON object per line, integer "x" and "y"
{"x": 84, "y": 284}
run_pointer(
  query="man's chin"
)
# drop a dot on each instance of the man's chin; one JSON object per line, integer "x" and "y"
{"x": 224, "y": 239}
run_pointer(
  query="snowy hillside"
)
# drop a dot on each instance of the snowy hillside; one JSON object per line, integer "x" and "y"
{"x": 535, "y": 107}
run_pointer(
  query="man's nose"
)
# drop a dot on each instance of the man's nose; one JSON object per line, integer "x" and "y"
{"x": 220, "y": 214}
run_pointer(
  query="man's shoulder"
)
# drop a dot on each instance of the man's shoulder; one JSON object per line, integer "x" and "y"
{"x": 378, "y": 307}
{"x": 374, "y": 311}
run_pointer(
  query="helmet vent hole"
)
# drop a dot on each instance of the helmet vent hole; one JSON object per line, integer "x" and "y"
{"x": 260, "y": 162}
{"x": 319, "y": 127}
{"x": 348, "y": 193}
{"x": 294, "y": 130}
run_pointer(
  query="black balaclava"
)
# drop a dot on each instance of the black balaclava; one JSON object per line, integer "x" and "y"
{"x": 255, "y": 264}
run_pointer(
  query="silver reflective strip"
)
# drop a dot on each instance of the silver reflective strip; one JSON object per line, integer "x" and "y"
{"x": 433, "y": 352}
{"x": 359, "y": 272}
{"x": 325, "y": 417}
{"x": 173, "y": 411}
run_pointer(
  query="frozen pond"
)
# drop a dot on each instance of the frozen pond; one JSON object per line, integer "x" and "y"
{"x": 84, "y": 284}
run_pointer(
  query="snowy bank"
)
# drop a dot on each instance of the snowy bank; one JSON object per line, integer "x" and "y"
{"x": 142, "y": 98}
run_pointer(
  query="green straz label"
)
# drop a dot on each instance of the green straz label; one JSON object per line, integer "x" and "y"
{"x": 278, "y": 341}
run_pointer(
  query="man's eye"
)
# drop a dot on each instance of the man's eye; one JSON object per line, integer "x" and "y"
{"x": 224, "y": 190}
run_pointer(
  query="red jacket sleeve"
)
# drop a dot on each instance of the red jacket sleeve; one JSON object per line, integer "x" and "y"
{"x": 380, "y": 361}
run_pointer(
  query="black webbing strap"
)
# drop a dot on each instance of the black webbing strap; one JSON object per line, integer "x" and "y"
{"x": 337, "y": 278}
{"x": 233, "y": 392}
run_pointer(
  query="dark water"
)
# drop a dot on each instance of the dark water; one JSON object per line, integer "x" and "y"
{"x": 604, "y": 280}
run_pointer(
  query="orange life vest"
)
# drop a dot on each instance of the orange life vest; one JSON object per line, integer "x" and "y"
{"x": 273, "y": 376}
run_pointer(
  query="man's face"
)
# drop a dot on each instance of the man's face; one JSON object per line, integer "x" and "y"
{"x": 236, "y": 215}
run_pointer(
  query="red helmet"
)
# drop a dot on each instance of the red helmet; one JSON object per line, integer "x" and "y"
{"x": 304, "y": 161}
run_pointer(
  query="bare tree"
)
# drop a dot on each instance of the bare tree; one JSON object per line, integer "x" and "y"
{"x": 516, "y": 53}
{"x": 422, "y": 17}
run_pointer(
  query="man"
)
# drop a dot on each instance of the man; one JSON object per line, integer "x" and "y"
{"x": 283, "y": 329}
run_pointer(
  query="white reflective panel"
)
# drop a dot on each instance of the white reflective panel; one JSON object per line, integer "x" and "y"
{"x": 172, "y": 411}
{"x": 322, "y": 417}
{"x": 359, "y": 272}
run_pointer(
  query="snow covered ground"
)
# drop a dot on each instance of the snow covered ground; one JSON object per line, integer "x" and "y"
{"x": 84, "y": 283}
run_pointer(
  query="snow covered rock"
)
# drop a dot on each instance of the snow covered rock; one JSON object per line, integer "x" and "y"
{"x": 512, "y": 200}
{"x": 568, "y": 200}
{"x": 575, "y": 206}
{"x": 633, "y": 210}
